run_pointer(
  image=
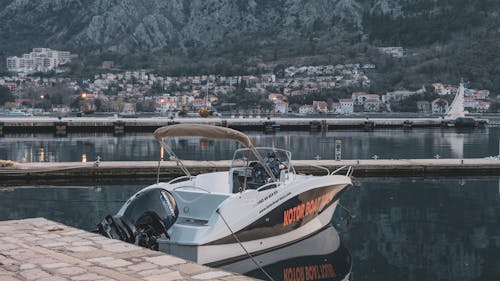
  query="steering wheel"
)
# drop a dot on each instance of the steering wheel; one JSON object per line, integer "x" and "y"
{"x": 258, "y": 172}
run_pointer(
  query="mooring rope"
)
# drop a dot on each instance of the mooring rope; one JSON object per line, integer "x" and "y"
{"x": 243, "y": 247}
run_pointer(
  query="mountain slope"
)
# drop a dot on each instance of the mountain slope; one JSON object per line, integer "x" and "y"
{"x": 192, "y": 34}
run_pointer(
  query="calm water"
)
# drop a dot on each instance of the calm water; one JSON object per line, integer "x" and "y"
{"x": 385, "y": 143}
{"x": 401, "y": 229}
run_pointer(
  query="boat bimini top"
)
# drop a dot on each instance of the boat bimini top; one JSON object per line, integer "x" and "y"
{"x": 206, "y": 131}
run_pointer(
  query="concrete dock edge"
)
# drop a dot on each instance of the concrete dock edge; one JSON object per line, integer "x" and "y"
{"x": 116, "y": 170}
{"x": 40, "y": 249}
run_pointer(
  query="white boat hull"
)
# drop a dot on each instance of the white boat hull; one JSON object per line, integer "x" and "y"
{"x": 207, "y": 254}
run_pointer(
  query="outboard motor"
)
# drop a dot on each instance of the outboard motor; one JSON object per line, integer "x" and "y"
{"x": 147, "y": 216}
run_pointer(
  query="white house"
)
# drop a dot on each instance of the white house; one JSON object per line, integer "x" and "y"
{"x": 336, "y": 108}
{"x": 424, "y": 106}
{"x": 198, "y": 103}
{"x": 483, "y": 106}
{"x": 358, "y": 98}
{"x": 40, "y": 59}
{"x": 306, "y": 109}
{"x": 397, "y": 52}
{"x": 346, "y": 106}
{"x": 372, "y": 103}
{"x": 281, "y": 107}
{"x": 397, "y": 96}
{"x": 439, "y": 106}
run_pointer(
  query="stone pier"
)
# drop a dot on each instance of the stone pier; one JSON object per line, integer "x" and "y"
{"x": 43, "y": 250}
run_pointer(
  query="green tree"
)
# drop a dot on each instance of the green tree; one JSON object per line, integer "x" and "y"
{"x": 5, "y": 95}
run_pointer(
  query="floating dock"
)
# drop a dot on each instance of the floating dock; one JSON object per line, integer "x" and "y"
{"x": 116, "y": 171}
{"x": 43, "y": 250}
{"x": 122, "y": 125}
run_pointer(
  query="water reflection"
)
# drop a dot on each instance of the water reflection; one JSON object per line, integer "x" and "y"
{"x": 402, "y": 229}
{"x": 432, "y": 229}
{"x": 385, "y": 143}
{"x": 319, "y": 257}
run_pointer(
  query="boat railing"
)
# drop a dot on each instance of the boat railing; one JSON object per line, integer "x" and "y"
{"x": 349, "y": 172}
{"x": 265, "y": 186}
{"x": 179, "y": 179}
{"x": 319, "y": 167}
{"x": 192, "y": 187}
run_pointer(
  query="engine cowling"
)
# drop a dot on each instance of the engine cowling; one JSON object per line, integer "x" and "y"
{"x": 148, "y": 216}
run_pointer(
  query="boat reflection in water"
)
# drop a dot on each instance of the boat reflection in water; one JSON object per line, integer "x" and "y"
{"x": 318, "y": 257}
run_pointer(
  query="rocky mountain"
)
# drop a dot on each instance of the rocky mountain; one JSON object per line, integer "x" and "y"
{"x": 157, "y": 33}
{"x": 136, "y": 26}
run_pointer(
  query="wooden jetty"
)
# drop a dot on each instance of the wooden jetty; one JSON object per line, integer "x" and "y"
{"x": 122, "y": 125}
{"x": 116, "y": 171}
{"x": 40, "y": 249}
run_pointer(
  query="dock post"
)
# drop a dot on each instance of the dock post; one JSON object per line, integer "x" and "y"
{"x": 223, "y": 123}
{"x": 1, "y": 129}
{"x": 324, "y": 126}
{"x": 119, "y": 127}
{"x": 482, "y": 123}
{"x": 269, "y": 126}
{"x": 338, "y": 150}
{"x": 314, "y": 126}
{"x": 61, "y": 128}
{"x": 369, "y": 125}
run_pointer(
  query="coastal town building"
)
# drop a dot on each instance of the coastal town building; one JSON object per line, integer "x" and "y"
{"x": 397, "y": 96}
{"x": 396, "y": 52}
{"x": 439, "y": 105}
{"x": 320, "y": 106}
{"x": 346, "y": 106}
{"x": 306, "y": 109}
{"x": 359, "y": 98}
{"x": 472, "y": 104}
{"x": 336, "y": 109}
{"x": 372, "y": 103}
{"x": 39, "y": 60}
{"x": 281, "y": 107}
{"x": 424, "y": 106}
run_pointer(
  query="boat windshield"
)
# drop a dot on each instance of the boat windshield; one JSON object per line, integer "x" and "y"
{"x": 248, "y": 172}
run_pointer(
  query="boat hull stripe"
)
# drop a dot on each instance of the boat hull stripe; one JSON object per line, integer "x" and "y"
{"x": 290, "y": 215}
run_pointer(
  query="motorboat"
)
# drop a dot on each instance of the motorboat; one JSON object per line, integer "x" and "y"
{"x": 16, "y": 112}
{"x": 259, "y": 204}
{"x": 318, "y": 257}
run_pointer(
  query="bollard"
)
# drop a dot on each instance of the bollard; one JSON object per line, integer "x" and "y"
{"x": 223, "y": 123}
{"x": 324, "y": 126}
{"x": 119, "y": 127}
{"x": 338, "y": 150}
{"x": 60, "y": 128}
{"x": 1, "y": 129}
{"x": 269, "y": 126}
{"x": 369, "y": 125}
{"x": 314, "y": 126}
{"x": 97, "y": 161}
